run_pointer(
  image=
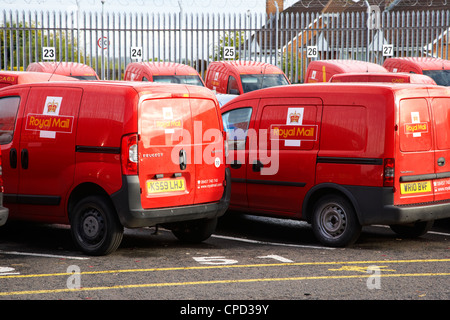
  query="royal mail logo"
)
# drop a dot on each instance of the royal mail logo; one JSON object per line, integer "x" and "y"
{"x": 421, "y": 127}
{"x": 52, "y": 107}
{"x": 294, "y": 117}
{"x": 285, "y": 132}
{"x": 169, "y": 124}
{"x": 43, "y": 122}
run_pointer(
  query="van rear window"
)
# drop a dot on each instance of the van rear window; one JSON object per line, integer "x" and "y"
{"x": 8, "y": 114}
{"x": 415, "y": 126}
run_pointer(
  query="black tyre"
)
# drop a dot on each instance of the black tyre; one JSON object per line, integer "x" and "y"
{"x": 95, "y": 227}
{"x": 412, "y": 230}
{"x": 334, "y": 222}
{"x": 195, "y": 231}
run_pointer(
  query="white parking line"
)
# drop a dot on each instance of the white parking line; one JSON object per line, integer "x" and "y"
{"x": 42, "y": 255}
{"x": 271, "y": 243}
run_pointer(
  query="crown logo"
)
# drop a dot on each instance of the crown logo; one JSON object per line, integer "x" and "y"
{"x": 52, "y": 106}
{"x": 294, "y": 117}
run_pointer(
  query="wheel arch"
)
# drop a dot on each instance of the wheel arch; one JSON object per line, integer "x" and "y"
{"x": 83, "y": 190}
{"x": 315, "y": 193}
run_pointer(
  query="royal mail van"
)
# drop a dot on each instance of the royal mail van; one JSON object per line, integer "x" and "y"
{"x": 102, "y": 155}
{"x": 436, "y": 68}
{"x": 382, "y": 77}
{"x": 72, "y": 69}
{"x": 238, "y": 77}
{"x": 9, "y": 78}
{"x": 166, "y": 72}
{"x": 323, "y": 70}
{"x": 342, "y": 156}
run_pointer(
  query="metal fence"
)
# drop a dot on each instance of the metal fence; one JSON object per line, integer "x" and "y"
{"x": 109, "y": 41}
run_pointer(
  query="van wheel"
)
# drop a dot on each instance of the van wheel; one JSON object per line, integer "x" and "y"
{"x": 195, "y": 231}
{"x": 334, "y": 222}
{"x": 95, "y": 227}
{"x": 412, "y": 230}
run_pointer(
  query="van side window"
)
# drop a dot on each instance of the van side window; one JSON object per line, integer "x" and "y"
{"x": 8, "y": 114}
{"x": 236, "y": 124}
{"x": 144, "y": 79}
{"x": 233, "y": 87}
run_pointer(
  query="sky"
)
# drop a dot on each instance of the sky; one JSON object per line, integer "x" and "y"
{"x": 201, "y": 6}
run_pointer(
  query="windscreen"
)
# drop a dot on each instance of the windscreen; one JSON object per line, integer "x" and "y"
{"x": 441, "y": 77}
{"x": 251, "y": 82}
{"x": 192, "y": 80}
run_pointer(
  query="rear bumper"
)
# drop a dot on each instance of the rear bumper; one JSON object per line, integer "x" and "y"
{"x": 375, "y": 206}
{"x": 132, "y": 215}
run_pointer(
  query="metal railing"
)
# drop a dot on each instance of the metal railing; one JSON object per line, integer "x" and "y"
{"x": 109, "y": 41}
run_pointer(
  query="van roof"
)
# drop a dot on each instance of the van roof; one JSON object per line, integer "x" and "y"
{"x": 19, "y": 77}
{"x": 426, "y": 63}
{"x": 250, "y": 67}
{"x": 394, "y": 77}
{"x": 63, "y": 68}
{"x": 331, "y": 93}
{"x": 159, "y": 90}
{"x": 349, "y": 65}
{"x": 165, "y": 68}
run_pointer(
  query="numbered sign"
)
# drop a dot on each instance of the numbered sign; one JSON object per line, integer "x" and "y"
{"x": 49, "y": 53}
{"x": 312, "y": 52}
{"x": 388, "y": 50}
{"x": 229, "y": 53}
{"x": 136, "y": 53}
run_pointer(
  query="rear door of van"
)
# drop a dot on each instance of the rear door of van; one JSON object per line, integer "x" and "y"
{"x": 166, "y": 169}
{"x": 181, "y": 152}
{"x": 441, "y": 112}
{"x": 416, "y": 164}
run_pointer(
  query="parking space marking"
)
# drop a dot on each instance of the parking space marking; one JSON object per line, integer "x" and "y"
{"x": 203, "y": 267}
{"x": 270, "y": 243}
{"x": 234, "y": 281}
{"x": 42, "y": 255}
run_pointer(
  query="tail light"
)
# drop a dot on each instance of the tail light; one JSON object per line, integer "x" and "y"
{"x": 129, "y": 155}
{"x": 389, "y": 170}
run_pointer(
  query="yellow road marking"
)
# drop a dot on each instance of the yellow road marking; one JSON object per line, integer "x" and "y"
{"x": 227, "y": 266}
{"x": 190, "y": 283}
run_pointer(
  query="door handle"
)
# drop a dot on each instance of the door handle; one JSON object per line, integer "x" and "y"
{"x": 236, "y": 164}
{"x": 182, "y": 157}
{"x": 257, "y": 165}
{"x": 13, "y": 158}
{"x": 24, "y": 158}
{"x": 441, "y": 162}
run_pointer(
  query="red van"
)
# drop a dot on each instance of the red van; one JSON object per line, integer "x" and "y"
{"x": 342, "y": 156}
{"x": 382, "y": 77}
{"x": 105, "y": 155}
{"x": 436, "y": 68}
{"x": 72, "y": 69}
{"x": 166, "y": 72}
{"x": 9, "y": 78}
{"x": 238, "y": 77}
{"x": 323, "y": 70}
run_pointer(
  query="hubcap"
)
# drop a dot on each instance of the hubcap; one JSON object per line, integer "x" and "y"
{"x": 92, "y": 225}
{"x": 333, "y": 220}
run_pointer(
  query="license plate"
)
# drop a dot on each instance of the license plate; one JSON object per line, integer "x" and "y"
{"x": 161, "y": 186}
{"x": 415, "y": 187}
